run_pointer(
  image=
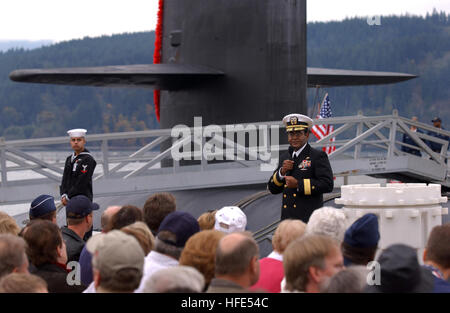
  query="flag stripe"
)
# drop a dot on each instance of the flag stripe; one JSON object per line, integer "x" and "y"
{"x": 323, "y": 130}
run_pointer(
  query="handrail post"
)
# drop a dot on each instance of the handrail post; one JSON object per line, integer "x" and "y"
{"x": 359, "y": 129}
{"x": 175, "y": 166}
{"x": 175, "y": 163}
{"x": 105, "y": 154}
{"x": 3, "y": 162}
{"x": 443, "y": 154}
{"x": 204, "y": 161}
{"x": 392, "y": 134}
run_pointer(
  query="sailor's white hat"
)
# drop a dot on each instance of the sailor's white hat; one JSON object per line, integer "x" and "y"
{"x": 296, "y": 122}
{"x": 77, "y": 132}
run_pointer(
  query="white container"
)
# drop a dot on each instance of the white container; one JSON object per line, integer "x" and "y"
{"x": 406, "y": 212}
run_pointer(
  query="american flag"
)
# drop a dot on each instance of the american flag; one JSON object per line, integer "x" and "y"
{"x": 323, "y": 130}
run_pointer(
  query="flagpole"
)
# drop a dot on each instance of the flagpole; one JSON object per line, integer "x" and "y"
{"x": 323, "y": 100}
{"x": 316, "y": 103}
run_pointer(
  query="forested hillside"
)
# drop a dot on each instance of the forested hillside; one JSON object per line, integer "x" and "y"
{"x": 25, "y": 44}
{"x": 34, "y": 110}
{"x": 414, "y": 45}
{"x": 407, "y": 44}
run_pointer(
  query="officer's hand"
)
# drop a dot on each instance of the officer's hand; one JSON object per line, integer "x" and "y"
{"x": 291, "y": 182}
{"x": 287, "y": 166}
{"x": 64, "y": 201}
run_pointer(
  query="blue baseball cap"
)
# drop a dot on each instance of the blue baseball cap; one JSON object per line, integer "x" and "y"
{"x": 400, "y": 272}
{"x": 80, "y": 206}
{"x": 436, "y": 119}
{"x": 182, "y": 224}
{"x": 42, "y": 205}
{"x": 363, "y": 233}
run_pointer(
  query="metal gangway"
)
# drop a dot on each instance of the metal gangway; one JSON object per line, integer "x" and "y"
{"x": 365, "y": 145}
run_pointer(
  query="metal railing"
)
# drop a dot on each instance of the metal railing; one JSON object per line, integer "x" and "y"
{"x": 369, "y": 132}
{"x": 355, "y": 138}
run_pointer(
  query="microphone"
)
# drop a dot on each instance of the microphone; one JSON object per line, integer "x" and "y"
{"x": 290, "y": 152}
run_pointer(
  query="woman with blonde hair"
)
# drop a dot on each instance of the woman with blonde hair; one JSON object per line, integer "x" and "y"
{"x": 271, "y": 267}
{"x": 143, "y": 235}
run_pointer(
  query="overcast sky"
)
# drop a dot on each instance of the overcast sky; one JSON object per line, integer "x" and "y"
{"x": 60, "y": 20}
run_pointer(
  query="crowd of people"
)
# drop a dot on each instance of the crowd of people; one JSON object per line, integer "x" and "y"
{"x": 161, "y": 249}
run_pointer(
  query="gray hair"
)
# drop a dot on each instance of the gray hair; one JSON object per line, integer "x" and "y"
{"x": 163, "y": 247}
{"x": 12, "y": 253}
{"x": 175, "y": 279}
{"x": 327, "y": 221}
{"x": 22, "y": 283}
{"x": 352, "y": 279}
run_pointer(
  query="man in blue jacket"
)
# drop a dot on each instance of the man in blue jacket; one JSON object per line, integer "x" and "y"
{"x": 436, "y": 147}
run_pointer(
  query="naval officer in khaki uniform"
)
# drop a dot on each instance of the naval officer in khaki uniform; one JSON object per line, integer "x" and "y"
{"x": 303, "y": 175}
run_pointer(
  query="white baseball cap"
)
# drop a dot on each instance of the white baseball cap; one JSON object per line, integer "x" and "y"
{"x": 230, "y": 219}
{"x": 78, "y": 132}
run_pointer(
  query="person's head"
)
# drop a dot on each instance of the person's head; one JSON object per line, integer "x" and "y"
{"x": 43, "y": 207}
{"x": 298, "y": 128}
{"x": 143, "y": 235}
{"x": 13, "y": 258}
{"x": 327, "y": 221}
{"x": 415, "y": 119}
{"x": 127, "y": 215}
{"x": 287, "y": 231}
{"x": 22, "y": 283}
{"x": 352, "y": 279}
{"x": 77, "y": 139}
{"x": 436, "y": 122}
{"x": 361, "y": 240}
{"x": 175, "y": 279}
{"x": 117, "y": 261}
{"x": 176, "y": 228}
{"x": 156, "y": 208}
{"x": 79, "y": 213}
{"x": 200, "y": 252}
{"x": 8, "y": 224}
{"x": 45, "y": 243}
{"x": 207, "y": 220}
{"x": 237, "y": 257}
{"x": 230, "y": 219}
{"x": 400, "y": 272}
{"x": 107, "y": 215}
{"x": 309, "y": 260}
{"x": 437, "y": 250}
{"x": 24, "y": 229}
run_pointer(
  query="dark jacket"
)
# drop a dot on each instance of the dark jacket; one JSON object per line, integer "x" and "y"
{"x": 441, "y": 286}
{"x": 86, "y": 266}
{"x": 77, "y": 176}
{"x": 74, "y": 244}
{"x": 313, "y": 171}
{"x": 436, "y": 147}
{"x": 219, "y": 285}
{"x": 408, "y": 140}
{"x": 56, "y": 278}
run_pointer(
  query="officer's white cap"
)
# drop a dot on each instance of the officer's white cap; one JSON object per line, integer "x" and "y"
{"x": 295, "y": 122}
{"x": 78, "y": 132}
